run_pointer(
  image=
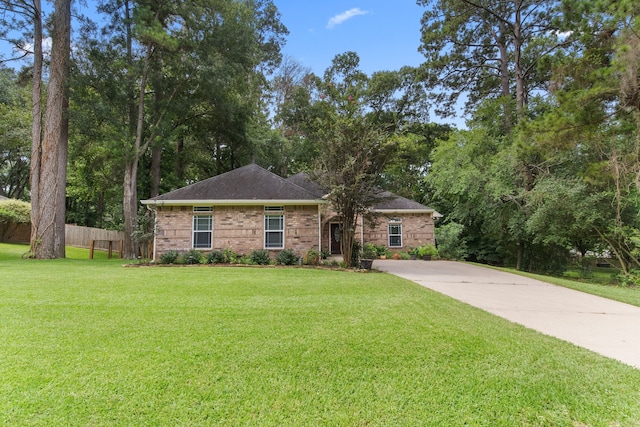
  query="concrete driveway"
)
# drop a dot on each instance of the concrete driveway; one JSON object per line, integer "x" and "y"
{"x": 606, "y": 327}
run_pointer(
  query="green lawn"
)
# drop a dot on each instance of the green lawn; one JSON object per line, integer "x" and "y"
{"x": 92, "y": 343}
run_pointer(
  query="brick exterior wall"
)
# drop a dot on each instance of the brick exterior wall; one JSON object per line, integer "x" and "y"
{"x": 239, "y": 228}
{"x": 417, "y": 230}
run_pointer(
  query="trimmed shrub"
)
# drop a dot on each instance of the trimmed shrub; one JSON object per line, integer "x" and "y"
{"x": 230, "y": 257}
{"x": 260, "y": 257}
{"x": 215, "y": 257}
{"x": 287, "y": 257}
{"x": 12, "y": 210}
{"x": 192, "y": 257}
{"x": 312, "y": 257}
{"x": 170, "y": 257}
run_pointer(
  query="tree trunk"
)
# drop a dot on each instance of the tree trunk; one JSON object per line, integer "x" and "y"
{"x": 156, "y": 157}
{"x": 179, "y": 159}
{"x": 49, "y": 177}
{"x": 36, "y": 127}
{"x": 130, "y": 184}
{"x": 519, "y": 69}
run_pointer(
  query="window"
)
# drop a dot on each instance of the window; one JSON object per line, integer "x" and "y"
{"x": 395, "y": 233}
{"x": 202, "y": 209}
{"x": 202, "y": 231}
{"x": 274, "y": 231}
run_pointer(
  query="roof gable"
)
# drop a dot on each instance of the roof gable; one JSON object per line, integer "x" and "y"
{"x": 247, "y": 183}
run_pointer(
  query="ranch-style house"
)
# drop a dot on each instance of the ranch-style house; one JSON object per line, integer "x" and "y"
{"x": 250, "y": 208}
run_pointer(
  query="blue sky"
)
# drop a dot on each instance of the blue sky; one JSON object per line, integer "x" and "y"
{"x": 384, "y": 33}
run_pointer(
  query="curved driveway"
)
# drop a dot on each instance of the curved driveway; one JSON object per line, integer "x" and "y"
{"x": 604, "y": 326}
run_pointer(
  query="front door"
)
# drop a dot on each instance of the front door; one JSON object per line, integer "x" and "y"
{"x": 336, "y": 236}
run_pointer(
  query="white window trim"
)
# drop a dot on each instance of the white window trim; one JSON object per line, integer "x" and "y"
{"x": 194, "y": 231}
{"x": 394, "y": 222}
{"x": 275, "y": 214}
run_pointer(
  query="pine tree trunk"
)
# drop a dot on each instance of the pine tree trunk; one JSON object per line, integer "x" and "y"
{"x": 49, "y": 172}
{"x": 36, "y": 127}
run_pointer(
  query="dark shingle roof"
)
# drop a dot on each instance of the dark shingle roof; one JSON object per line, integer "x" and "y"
{"x": 304, "y": 180}
{"x": 247, "y": 183}
{"x": 392, "y": 201}
{"x": 388, "y": 200}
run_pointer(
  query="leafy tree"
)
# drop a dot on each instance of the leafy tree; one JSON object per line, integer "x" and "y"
{"x": 491, "y": 49}
{"x": 352, "y": 148}
{"x": 182, "y": 108}
{"x": 15, "y": 123}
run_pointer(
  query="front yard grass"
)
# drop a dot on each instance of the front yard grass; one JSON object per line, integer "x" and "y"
{"x": 87, "y": 342}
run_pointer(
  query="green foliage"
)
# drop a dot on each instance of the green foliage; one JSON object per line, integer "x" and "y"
{"x": 630, "y": 279}
{"x": 12, "y": 210}
{"x": 369, "y": 251}
{"x": 260, "y": 257}
{"x": 15, "y": 135}
{"x": 451, "y": 244}
{"x": 193, "y": 256}
{"x": 169, "y": 257}
{"x": 312, "y": 257}
{"x": 287, "y": 257}
{"x": 215, "y": 257}
{"x": 428, "y": 250}
{"x": 245, "y": 260}
{"x": 230, "y": 256}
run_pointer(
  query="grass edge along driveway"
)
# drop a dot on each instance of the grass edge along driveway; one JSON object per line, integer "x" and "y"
{"x": 89, "y": 342}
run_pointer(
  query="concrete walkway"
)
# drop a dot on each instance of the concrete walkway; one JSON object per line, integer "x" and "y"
{"x": 604, "y": 326}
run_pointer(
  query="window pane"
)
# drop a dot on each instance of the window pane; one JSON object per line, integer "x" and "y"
{"x": 273, "y": 239}
{"x": 395, "y": 235}
{"x": 202, "y": 240}
{"x": 202, "y": 223}
{"x": 202, "y": 231}
{"x": 273, "y": 223}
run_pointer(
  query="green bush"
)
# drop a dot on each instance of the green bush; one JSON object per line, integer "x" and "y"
{"x": 632, "y": 279}
{"x": 192, "y": 257}
{"x": 215, "y": 257}
{"x": 428, "y": 250}
{"x": 170, "y": 257}
{"x": 13, "y": 210}
{"x": 451, "y": 244}
{"x": 287, "y": 257}
{"x": 230, "y": 257}
{"x": 312, "y": 257}
{"x": 381, "y": 250}
{"x": 260, "y": 257}
{"x": 369, "y": 251}
{"x": 244, "y": 259}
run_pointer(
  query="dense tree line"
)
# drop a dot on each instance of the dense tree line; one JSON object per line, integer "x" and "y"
{"x": 163, "y": 94}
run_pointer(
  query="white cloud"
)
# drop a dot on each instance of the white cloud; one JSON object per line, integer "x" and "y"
{"x": 344, "y": 16}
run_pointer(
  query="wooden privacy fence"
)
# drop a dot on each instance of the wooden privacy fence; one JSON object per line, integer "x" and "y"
{"x": 93, "y": 238}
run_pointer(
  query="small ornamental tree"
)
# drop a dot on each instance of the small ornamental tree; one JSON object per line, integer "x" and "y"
{"x": 354, "y": 149}
{"x": 349, "y": 166}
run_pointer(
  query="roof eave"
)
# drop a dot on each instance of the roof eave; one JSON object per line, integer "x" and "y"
{"x": 421, "y": 211}
{"x": 231, "y": 202}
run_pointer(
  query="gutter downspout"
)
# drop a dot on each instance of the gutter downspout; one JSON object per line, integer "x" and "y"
{"x": 319, "y": 230}
{"x": 155, "y": 230}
